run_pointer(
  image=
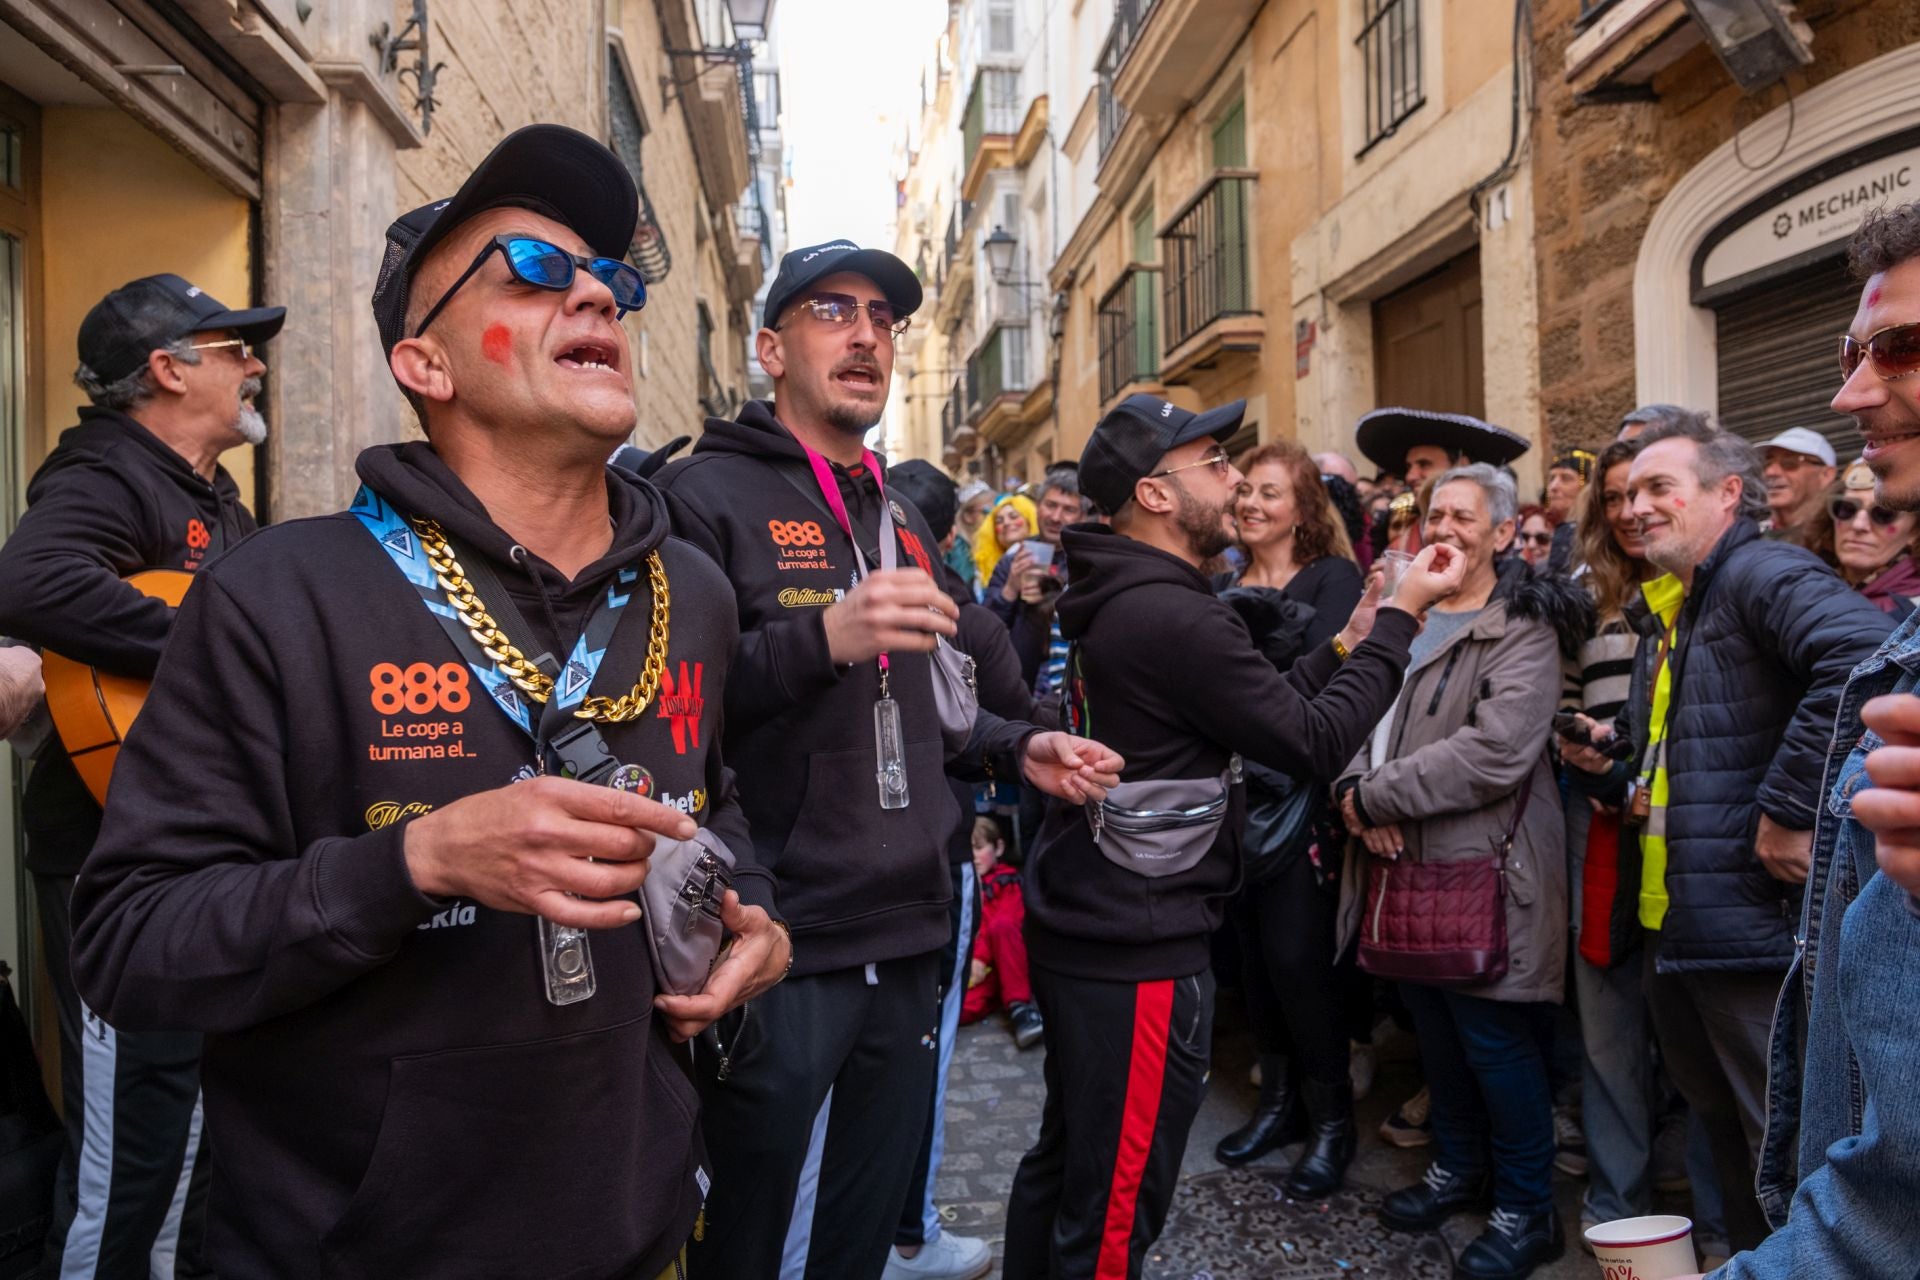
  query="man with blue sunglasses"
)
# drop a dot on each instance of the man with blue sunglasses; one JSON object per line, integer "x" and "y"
{"x": 358, "y": 841}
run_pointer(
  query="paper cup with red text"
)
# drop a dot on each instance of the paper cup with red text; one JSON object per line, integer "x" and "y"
{"x": 1658, "y": 1247}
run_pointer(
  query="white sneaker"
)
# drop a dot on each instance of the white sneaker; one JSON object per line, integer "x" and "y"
{"x": 1360, "y": 1069}
{"x": 945, "y": 1257}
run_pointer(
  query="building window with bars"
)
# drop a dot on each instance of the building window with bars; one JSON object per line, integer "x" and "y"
{"x": 649, "y": 251}
{"x": 1390, "y": 64}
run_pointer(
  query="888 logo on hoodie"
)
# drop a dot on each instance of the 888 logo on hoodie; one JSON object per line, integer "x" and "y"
{"x": 419, "y": 687}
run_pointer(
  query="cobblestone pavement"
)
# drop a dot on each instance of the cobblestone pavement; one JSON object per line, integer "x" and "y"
{"x": 1224, "y": 1225}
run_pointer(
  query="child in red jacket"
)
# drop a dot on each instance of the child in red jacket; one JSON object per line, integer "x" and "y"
{"x": 998, "y": 975}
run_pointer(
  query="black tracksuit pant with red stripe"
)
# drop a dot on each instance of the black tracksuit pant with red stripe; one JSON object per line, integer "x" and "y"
{"x": 1126, "y": 1068}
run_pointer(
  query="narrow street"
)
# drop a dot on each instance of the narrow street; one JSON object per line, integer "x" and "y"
{"x": 1226, "y": 1224}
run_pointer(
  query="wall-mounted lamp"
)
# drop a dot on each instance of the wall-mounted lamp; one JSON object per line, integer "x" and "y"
{"x": 1758, "y": 41}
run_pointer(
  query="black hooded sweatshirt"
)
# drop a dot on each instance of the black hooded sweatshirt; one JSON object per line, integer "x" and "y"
{"x": 1174, "y": 683}
{"x": 110, "y": 500}
{"x": 858, "y": 884}
{"x": 388, "y": 1090}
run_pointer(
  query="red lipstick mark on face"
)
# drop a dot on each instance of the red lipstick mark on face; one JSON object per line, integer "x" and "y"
{"x": 1680, "y": 503}
{"x": 1873, "y": 295}
{"x": 496, "y": 344}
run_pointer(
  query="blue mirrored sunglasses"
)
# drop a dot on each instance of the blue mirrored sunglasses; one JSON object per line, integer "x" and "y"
{"x": 547, "y": 266}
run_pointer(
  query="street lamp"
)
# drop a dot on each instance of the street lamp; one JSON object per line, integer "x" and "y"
{"x": 1000, "y": 246}
{"x": 750, "y": 17}
{"x": 1758, "y": 41}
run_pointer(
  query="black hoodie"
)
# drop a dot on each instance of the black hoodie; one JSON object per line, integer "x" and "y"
{"x": 858, "y": 883}
{"x": 388, "y": 1090}
{"x": 110, "y": 500}
{"x": 1174, "y": 683}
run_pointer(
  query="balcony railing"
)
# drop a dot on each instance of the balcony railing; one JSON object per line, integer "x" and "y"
{"x": 998, "y": 367}
{"x": 1390, "y": 59}
{"x": 993, "y": 108}
{"x": 1207, "y": 253}
{"x": 1128, "y": 17}
{"x": 1113, "y": 113}
{"x": 1129, "y": 330}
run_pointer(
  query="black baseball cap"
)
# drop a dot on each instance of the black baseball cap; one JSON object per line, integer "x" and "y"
{"x": 1136, "y": 433}
{"x": 143, "y": 315}
{"x": 802, "y": 267}
{"x": 557, "y": 172}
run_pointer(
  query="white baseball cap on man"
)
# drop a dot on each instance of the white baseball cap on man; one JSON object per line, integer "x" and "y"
{"x": 1807, "y": 441}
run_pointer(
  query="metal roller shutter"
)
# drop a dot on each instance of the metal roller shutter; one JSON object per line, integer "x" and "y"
{"x": 1779, "y": 355}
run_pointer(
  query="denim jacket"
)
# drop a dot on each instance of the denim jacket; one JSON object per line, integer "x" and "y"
{"x": 1850, "y": 1124}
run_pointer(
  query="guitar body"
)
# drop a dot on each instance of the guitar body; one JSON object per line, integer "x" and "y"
{"x": 93, "y": 710}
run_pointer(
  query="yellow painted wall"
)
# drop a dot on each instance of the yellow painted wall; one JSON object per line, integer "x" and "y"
{"x": 118, "y": 203}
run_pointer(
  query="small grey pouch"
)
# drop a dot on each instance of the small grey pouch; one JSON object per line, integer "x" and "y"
{"x": 1160, "y": 826}
{"x": 682, "y": 897}
{"x": 956, "y": 695}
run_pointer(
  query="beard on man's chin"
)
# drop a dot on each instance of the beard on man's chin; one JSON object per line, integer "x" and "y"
{"x": 251, "y": 426}
{"x": 852, "y": 419}
{"x": 1204, "y": 526}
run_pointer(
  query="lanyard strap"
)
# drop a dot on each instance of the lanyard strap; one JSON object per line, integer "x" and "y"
{"x": 830, "y": 491}
{"x": 402, "y": 545}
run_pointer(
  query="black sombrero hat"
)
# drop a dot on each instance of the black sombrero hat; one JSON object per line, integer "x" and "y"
{"x": 1385, "y": 435}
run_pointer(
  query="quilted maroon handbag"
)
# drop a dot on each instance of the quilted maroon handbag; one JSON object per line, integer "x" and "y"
{"x": 1440, "y": 924}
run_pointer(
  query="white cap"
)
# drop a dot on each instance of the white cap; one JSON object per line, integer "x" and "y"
{"x": 1804, "y": 440}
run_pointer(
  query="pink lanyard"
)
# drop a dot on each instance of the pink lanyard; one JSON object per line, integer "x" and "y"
{"x": 830, "y": 490}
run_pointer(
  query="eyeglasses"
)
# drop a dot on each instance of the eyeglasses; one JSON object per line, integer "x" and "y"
{"x": 1537, "y": 539}
{"x": 1843, "y": 510}
{"x": 246, "y": 348}
{"x": 1787, "y": 459}
{"x": 1218, "y": 460}
{"x": 547, "y": 266}
{"x": 1894, "y": 351}
{"x": 844, "y": 308}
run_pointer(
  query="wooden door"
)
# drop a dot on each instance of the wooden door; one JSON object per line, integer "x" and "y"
{"x": 1427, "y": 350}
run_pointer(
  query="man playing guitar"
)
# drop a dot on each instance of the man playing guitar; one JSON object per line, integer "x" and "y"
{"x": 172, "y": 375}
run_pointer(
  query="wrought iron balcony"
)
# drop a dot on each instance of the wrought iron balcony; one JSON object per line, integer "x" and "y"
{"x": 993, "y": 110}
{"x": 1129, "y": 330}
{"x": 1207, "y": 252}
{"x": 998, "y": 368}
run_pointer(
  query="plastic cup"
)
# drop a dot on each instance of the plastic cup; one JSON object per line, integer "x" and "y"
{"x": 1393, "y": 567}
{"x": 1657, "y": 1247}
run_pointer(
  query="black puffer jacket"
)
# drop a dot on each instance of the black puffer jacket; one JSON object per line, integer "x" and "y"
{"x": 1765, "y": 642}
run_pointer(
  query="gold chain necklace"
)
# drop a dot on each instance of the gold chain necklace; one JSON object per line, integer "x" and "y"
{"x": 516, "y": 666}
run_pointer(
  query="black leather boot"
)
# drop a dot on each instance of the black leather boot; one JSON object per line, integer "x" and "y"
{"x": 1330, "y": 1141}
{"x": 1512, "y": 1246}
{"x": 1435, "y": 1198}
{"x": 1276, "y": 1118}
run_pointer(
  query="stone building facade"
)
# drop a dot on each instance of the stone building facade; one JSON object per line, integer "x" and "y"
{"x": 261, "y": 147}
{"x": 1318, "y": 206}
{"x": 1690, "y": 232}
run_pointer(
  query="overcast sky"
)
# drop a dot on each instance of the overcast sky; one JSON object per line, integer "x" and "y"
{"x": 850, "y": 76}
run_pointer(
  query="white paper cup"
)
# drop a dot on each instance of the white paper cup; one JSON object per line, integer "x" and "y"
{"x": 1657, "y": 1247}
{"x": 1393, "y": 567}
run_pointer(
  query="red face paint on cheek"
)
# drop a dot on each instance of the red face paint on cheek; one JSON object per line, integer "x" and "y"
{"x": 1680, "y": 504}
{"x": 496, "y": 344}
{"x": 1873, "y": 296}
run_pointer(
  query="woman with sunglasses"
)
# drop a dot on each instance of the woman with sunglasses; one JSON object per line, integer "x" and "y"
{"x": 1535, "y": 540}
{"x": 1869, "y": 545}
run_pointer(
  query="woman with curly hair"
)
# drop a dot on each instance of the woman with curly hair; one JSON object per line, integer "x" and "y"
{"x": 1296, "y": 591}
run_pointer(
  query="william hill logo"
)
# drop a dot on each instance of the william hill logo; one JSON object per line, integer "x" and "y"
{"x": 385, "y": 813}
{"x": 805, "y": 597}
